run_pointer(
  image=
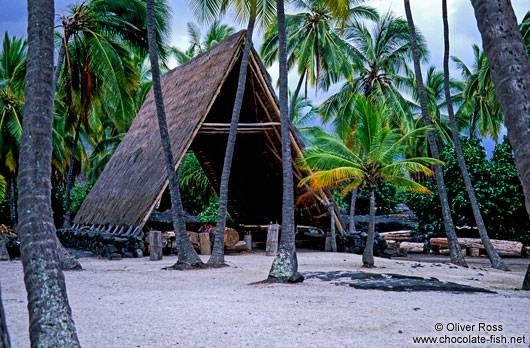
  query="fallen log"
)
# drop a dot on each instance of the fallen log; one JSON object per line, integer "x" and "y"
{"x": 503, "y": 247}
{"x": 398, "y": 236}
{"x": 237, "y": 248}
{"x": 231, "y": 237}
{"x": 410, "y": 247}
{"x": 194, "y": 238}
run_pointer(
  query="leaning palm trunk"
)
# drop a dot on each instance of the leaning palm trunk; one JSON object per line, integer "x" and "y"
{"x": 295, "y": 95}
{"x": 218, "y": 255}
{"x": 187, "y": 256}
{"x": 510, "y": 72}
{"x": 494, "y": 257}
{"x": 60, "y": 60}
{"x": 454, "y": 247}
{"x": 351, "y": 228}
{"x": 285, "y": 264}
{"x": 368, "y": 253}
{"x": 4, "y": 334}
{"x": 69, "y": 178}
{"x": 12, "y": 204}
{"x": 50, "y": 316}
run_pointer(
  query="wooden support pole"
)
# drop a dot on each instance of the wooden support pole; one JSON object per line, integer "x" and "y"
{"x": 204, "y": 243}
{"x": 271, "y": 248}
{"x": 155, "y": 244}
{"x": 333, "y": 235}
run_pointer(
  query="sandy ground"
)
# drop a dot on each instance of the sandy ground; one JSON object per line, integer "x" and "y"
{"x": 133, "y": 303}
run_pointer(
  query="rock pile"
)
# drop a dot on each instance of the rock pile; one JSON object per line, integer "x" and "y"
{"x": 355, "y": 243}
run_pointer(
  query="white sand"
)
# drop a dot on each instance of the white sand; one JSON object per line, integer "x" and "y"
{"x": 133, "y": 303}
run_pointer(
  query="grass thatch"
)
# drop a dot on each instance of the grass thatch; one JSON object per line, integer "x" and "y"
{"x": 203, "y": 90}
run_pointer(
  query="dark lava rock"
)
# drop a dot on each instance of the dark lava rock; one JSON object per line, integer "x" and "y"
{"x": 296, "y": 278}
{"x": 391, "y": 282}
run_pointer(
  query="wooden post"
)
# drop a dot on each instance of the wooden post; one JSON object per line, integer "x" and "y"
{"x": 333, "y": 235}
{"x": 526, "y": 282}
{"x": 155, "y": 243}
{"x": 327, "y": 246}
{"x": 248, "y": 241}
{"x": 204, "y": 242}
{"x": 4, "y": 255}
{"x": 271, "y": 248}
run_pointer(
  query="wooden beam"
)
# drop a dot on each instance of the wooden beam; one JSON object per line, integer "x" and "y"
{"x": 227, "y": 125}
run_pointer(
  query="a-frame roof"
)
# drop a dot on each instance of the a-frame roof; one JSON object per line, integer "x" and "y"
{"x": 199, "y": 97}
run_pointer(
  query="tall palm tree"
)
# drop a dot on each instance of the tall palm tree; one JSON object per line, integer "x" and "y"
{"x": 494, "y": 257}
{"x": 250, "y": 11}
{"x": 50, "y": 316}
{"x": 510, "y": 70}
{"x": 454, "y": 248}
{"x": 215, "y": 33}
{"x": 374, "y": 157}
{"x": 285, "y": 265}
{"x": 12, "y": 59}
{"x": 187, "y": 256}
{"x": 479, "y": 111}
{"x": 315, "y": 44}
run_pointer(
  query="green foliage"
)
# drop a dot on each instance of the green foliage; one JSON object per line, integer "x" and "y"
{"x": 210, "y": 213}
{"x": 385, "y": 200}
{"x": 497, "y": 187}
{"x": 78, "y": 194}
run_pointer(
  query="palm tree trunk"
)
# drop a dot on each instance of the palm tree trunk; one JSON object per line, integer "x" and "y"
{"x": 50, "y": 316}
{"x": 351, "y": 228}
{"x": 69, "y": 178}
{"x": 510, "y": 71}
{"x": 187, "y": 256}
{"x": 526, "y": 281}
{"x": 295, "y": 95}
{"x": 12, "y": 204}
{"x": 218, "y": 256}
{"x": 494, "y": 257}
{"x": 60, "y": 60}
{"x": 4, "y": 334}
{"x": 368, "y": 253}
{"x": 285, "y": 264}
{"x": 454, "y": 248}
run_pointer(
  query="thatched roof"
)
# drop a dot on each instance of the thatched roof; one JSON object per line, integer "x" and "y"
{"x": 199, "y": 97}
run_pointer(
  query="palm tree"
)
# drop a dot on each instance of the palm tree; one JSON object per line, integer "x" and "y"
{"x": 187, "y": 256}
{"x": 4, "y": 334}
{"x": 314, "y": 44}
{"x": 500, "y": 36}
{"x": 494, "y": 257}
{"x": 215, "y": 33}
{"x": 12, "y": 59}
{"x": 479, "y": 111}
{"x": 285, "y": 264}
{"x": 375, "y": 156}
{"x": 454, "y": 247}
{"x": 250, "y": 11}
{"x": 50, "y": 316}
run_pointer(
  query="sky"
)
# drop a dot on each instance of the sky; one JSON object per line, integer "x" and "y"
{"x": 427, "y": 17}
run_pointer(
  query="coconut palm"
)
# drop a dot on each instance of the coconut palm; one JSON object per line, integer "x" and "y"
{"x": 285, "y": 265}
{"x": 454, "y": 247}
{"x": 376, "y": 155}
{"x": 50, "y": 317}
{"x": 251, "y": 12}
{"x": 4, "y": 334}
{"x": 215, "y": 33}
{"x": 479, "y": 111}
{"x": 494, "y": 257}
{"x": 314, "y": 43}
{"x": 12, "y": 59}
{"x": 187, "y": 256}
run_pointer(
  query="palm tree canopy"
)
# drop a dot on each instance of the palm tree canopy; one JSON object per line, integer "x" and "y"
{"x": 376, "y": 155}
{"x": 262, "y": 11}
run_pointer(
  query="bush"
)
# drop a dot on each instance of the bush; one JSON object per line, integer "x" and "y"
{"x": 77, "y": 195}
{"x": 210, "y": 213}
{"x": 497, "y": 187}
{"x": 386, "y": 200}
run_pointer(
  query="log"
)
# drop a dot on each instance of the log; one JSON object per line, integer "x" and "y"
{"x": 527, "y": 251}
{"x": 271, "y": 248}
{"x": 231, "y": 237}
{"x": 398, "y": 236}
{"x": 155, "y": 244}
{"x": 237, "y": 248}
{"x": 248, "y": 241}
{"x": 410, "y": 247}
{"x": 474, "y": 252}
{"x": 503, "y": 247}
{"x": 204, "y": 242}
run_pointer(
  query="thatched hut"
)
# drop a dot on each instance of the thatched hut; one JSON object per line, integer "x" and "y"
{"x": 199, "y": 97}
